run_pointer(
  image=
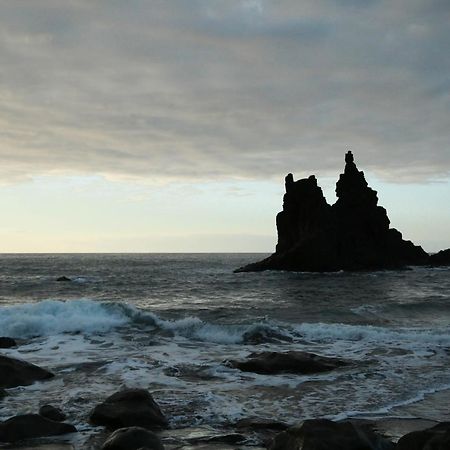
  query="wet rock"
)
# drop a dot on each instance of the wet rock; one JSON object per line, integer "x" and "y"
{"x": 324, "y": 434}
{"x": 30, "y": 426}
{"x": 52, "y": 413}
{"x": 441, "y": 258}
{"x": 269, "y": 363}
{"x": 352, "y": 234}
{"x": 2, "y": 393}
{"x": 15, "y": 372}
{"x": 63, "y": 278}
{"x": 435, "y": 438}
{"x": 133, "y": 438}
{"x": 7, "y": 342}
{"x": 128, "y": 408}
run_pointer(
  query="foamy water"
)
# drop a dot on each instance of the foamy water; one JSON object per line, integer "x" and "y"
{"x": 170, "y": 323}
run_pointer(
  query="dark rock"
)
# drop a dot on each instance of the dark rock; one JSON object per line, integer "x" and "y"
{"x": 441, "y": 258}
{"x": 7, "y": 342}
{"x": 133, "y": 438}
{"x": 52, "y": 413}
{"x": 286, "y": 362}
{"x": 321, "y": 434}
{"x": 63, "y": 278}
{"x": 435, "y": 438}
{"x": 30, "y": 426}
{"x": 15, "y": 372}
{"x": 128, "y": 408}
{"x": 2, "y": 393}
{"x": 353, "y": 234}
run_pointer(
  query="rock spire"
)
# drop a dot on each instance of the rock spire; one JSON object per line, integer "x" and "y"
{"x": 352, "y": 234}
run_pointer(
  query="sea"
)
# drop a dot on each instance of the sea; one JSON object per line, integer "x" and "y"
{"x": 170, "y": 322}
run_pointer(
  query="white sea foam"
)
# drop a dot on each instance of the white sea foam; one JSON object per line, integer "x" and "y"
{"x": 327, "y": 332}
{"x": 52, "y": 317}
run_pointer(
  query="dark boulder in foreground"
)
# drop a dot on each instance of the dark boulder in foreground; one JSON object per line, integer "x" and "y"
{"x": 435, "y": 438}
{"x": 132, "y": 438}
{"x": 269, "y": 363}
{"x": 7, "y": 342}
{"x": 15, "y": 372}
{"x": 321, "y": 434}
{"x": 52, "y": 413}
{"x": 30, "y": 426}
{"x": 441, "y": 258}
{"x": 128, "y": 408}
{"x": 353, "y": 234}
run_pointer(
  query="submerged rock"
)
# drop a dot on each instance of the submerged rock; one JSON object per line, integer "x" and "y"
{"x": 437, "y": 437}
{"x": 128, "y": 408}
{"x": 30, "y": 426}
{"x": 352, "y": 234}
{"x": 7, "y": 342}
{"x": 321, "y": 434}
{"x": 133, "y": 438}
{"x": 15, "y": 372}
{"x": 52, "y": 413}
{"x": 63, "y": 278}
{"x": 269, "y": 363}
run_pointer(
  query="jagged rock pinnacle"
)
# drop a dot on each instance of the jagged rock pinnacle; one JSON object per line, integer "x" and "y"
{"x": 352, "y": 234}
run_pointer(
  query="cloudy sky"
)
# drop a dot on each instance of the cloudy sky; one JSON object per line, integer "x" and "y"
{"x": 169, "y": 125}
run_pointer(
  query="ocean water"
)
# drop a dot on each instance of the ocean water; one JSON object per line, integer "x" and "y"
{"x": 169, "y": 323}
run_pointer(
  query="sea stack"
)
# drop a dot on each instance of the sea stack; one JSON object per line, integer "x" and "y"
{"x": 353, "y": 234}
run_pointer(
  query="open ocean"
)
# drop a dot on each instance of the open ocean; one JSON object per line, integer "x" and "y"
{"x": 167, "y": 322}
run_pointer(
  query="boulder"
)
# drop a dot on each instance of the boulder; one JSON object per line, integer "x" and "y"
{"x": 15, "y": 372}
{"x": 133, "y": 438}
{"x": 321, "y": 434}
{"x": 129, "y": 408}
{"x": 353, "y": 234}
{"x": 30, "y": 426}
{"x": 441, "y": 258}
{"x": 269, "y": 363}
{"x": 7, "y": 342}
{"x": 52, "y": 413}
{"x": 435, "y": 438}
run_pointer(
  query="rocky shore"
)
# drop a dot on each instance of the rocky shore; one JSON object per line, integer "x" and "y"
{"x": 351, "y": 235}
{"x": 131, "y": 419}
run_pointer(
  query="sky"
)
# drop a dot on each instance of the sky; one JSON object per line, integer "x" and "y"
{"x": 169, "y": 125}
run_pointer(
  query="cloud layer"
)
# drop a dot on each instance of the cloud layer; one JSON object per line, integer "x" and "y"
{"x": 206, "y": 89}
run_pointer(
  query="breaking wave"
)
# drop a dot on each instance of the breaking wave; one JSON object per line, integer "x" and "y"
{"x": 51, "y": 317}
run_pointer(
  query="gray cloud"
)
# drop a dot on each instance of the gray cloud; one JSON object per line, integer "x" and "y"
{"x": 217, "y": 89}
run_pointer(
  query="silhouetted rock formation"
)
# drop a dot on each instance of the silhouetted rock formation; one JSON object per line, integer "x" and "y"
{"x": 441, "y": 258}
{"x": 352, "y": 234}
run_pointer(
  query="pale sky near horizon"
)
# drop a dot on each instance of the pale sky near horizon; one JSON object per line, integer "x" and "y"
{"x": 169, "y": 125}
